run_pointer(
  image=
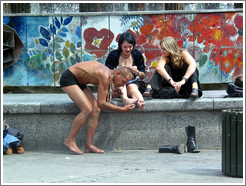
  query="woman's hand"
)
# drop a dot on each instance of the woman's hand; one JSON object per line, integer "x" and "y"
{"x": 134, "y": 69}
{"x": 177, "y": 85}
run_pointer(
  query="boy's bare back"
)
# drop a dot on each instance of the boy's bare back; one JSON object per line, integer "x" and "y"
{"x": 90, "y": 72}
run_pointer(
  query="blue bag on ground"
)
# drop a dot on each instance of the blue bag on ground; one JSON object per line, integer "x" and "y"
{"x": 9, "y": 141}
{"x": 17, "y": 133}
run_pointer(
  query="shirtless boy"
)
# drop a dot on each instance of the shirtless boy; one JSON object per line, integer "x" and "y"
{"x": 74, "y": 82}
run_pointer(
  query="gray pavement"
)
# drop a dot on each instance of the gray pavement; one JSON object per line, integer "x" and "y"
{"x": 118, "y": 166}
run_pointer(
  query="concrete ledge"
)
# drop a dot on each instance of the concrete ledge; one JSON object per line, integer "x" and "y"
{"x": 46, "y": 119}
{"x": 228, "y": 103}
{"x": 61, "y": 103}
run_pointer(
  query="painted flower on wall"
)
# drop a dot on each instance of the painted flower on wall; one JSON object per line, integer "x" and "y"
{"x": 207, "y": 29}
{"x": 232, "y": 29}
{"x": 151, "y": 55}
{"x": 149, "y": 35}
{"x": 54, "y": 43}
{"x": 97, "y": 42}
{"x": 232, "y": 59}
{"x": 153, "y": 32}
{"x": 180, "y": 26}
{"x": 130, "y": 31}
{"x": 56, "y": 39}
{"x": 216, "y": 56}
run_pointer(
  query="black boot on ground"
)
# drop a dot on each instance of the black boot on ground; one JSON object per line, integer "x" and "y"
{"x": 191, "y": 142}
{"x": 180, "y": 149}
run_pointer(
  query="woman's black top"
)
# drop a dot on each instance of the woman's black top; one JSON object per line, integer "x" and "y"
{"x": 112, "y": 60}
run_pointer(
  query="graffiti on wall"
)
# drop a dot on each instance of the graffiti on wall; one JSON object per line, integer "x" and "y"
{"x": 53, "y": 44}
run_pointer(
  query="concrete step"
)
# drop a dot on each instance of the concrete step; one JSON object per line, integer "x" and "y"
{"x": 46, "y": 119}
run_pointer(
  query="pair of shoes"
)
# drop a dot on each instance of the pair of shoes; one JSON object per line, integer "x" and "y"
{"x": 148, "y": 93}
{"x": 194, "y": 96}
{"x": 8, "y": 151}
{"x": 19, "y": 150}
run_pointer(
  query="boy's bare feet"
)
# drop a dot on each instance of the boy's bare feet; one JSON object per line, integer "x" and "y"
{"x": 141, "y": 105}
{"x": 71, "y": 144}
{"x": 129, "y": 101}
{"x": 93, "y": 149}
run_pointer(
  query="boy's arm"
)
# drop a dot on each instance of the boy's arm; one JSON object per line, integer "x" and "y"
{"x": 102, "y": 95}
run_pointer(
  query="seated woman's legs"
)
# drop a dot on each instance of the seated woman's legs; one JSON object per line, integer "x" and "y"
{"x": 148, "y": 91}
{"x": 132, "y": 91}
{"x": 192, "y": 86}
{"x": 194, "y": 91}
{"x": 156, "y": 82}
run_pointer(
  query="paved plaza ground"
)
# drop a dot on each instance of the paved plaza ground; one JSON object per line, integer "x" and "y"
{"x": 114, "y": 167}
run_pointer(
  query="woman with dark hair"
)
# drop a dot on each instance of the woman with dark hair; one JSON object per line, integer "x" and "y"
{"x": 127, "y": 55}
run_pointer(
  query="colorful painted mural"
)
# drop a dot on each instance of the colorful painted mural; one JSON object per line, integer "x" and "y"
{"x": 52, "y": 43}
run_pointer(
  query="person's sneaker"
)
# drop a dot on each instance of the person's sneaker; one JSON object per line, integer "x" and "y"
{"x": 8, "y": 151}
{"x": 19, "y": 150}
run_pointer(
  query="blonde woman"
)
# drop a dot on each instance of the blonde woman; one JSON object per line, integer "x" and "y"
{"x": 176, "y": 73}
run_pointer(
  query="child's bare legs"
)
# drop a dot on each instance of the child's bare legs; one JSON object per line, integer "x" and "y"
{"x": 141, "y": 104}
{"x": 132, "y": 90}
{"x": 125, "y": 99}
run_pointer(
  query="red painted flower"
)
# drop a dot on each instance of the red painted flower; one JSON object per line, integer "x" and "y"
{"x": 232, "y": 59}
{"x": 207, "y": 29}
{"x": 232, "y": 29}
{"x": 154, "y": 32}
{"x": 238, "y": 71}
{"x": 216, "y": 56}
{"x": 170, "y": 26}
{"x": 130, "y": 31}
{"x": 180, "y": 27}
{"x": 149, "y": 34}
{"x": 159, "y": 22}
{"x": 151, "y": 54}
{"x": 238, "y": 21}
{"x": 97, "y": 42}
